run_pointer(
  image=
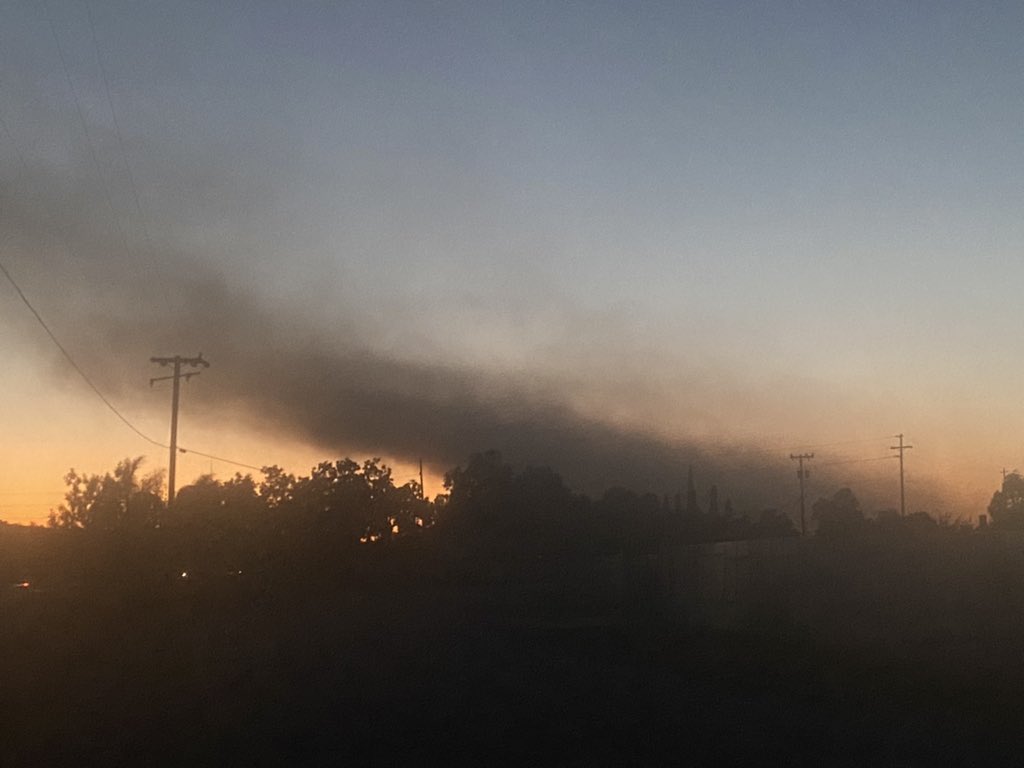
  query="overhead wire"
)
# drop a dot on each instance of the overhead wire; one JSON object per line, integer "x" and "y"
{"x": 96, "y": 390}
{"x": 85, "y": 130}
{"x": 845, "y": 442}
{"x": 71, "y": 360}
{"x": 856, "y": 461}
{"x": 138, "y": 207}
{"x": 28, "y": 493}
{"x": 218, "y": 458}
{"x": 142, "y": 223}
{"x": 778, "y": 450}
{"x": 124, "y": 157}
{"x": 14, "y": 144}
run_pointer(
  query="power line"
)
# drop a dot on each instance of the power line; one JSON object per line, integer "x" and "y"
{"x": 845, "y": 442}
{"x": 6, "y": 494}
{"x": 23, "y": 163}
{"x": 218, "y": 458}
{"x": 138, "y": 208}
{"x": 20, "y": 505}
{"x": 96, "y": 390}
{"x": 742, "y": 451}
{"x": 70, "y": 359}
{"x": 85, "y": 131}
{"x": 14, "y": 144}
{"x": 855, "y": 461}
{"x": 124, "y": 155}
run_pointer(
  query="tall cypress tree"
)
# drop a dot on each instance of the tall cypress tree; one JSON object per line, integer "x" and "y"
{"x": 691, "y": 494}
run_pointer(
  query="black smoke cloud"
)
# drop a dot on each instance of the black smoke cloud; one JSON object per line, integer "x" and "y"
{"x": 281, "y": 368}
{"x": 331, "y": 389}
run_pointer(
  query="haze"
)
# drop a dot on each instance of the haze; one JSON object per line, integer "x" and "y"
{"x": 617, "y": 239}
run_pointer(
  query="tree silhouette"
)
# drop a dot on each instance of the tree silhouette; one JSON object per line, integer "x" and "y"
{"x": 838, "y": 515}
{"x": 477, "y": 492}
{"x": 692, "y": 509}
{"x": 629, "y": 520}
{"x": 348, "y": 501}
{"x": 1007, "y": 506}
{"x": 220, "y": 509}
{"x": 277, "y": 488}
{"x": 774, "y": 524}
{"x": 112, "y": 501}
{"x": 501, "y": 509}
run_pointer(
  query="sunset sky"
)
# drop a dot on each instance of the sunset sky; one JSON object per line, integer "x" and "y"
{"x": 617, "y": 238}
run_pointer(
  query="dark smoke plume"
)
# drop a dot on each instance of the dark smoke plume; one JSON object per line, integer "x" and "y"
{"x": 285, "y": 370}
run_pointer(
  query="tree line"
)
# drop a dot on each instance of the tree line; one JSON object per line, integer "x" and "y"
{"x": 487, "y": 504}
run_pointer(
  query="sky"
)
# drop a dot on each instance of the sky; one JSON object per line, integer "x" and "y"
{"x": 619, "y": 239}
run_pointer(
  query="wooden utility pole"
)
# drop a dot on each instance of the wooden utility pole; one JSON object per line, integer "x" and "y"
{"x": 177, "y": 361}
{"x": 901, "y": 448}
{"x": 801, "y": 473}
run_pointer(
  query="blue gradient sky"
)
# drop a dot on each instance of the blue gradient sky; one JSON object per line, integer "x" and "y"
{"x": 758, "y": 224}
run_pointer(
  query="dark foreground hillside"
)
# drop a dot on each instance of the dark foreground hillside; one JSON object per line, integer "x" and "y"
{"x": 413, "y": 657}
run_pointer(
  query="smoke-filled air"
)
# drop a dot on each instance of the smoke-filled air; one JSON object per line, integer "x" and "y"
{"x": 622, "y": 241}
{"x": 693, "y": 291}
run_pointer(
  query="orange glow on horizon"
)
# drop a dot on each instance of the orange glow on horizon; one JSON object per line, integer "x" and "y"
{"x": 32, "y": 480}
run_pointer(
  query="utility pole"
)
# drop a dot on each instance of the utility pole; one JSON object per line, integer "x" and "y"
{"x": 901, "y": 448}
{"x": 802, "y": 473}
{"x": 421, "y": 478}
{"x": 177, "y": 361}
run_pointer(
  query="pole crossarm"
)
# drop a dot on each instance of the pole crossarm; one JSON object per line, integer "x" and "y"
{"x": 185, "y": 376}
{"x": 195, "y": 362}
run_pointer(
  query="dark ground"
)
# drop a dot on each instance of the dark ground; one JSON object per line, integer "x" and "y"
{"x": 406, "y": 664}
